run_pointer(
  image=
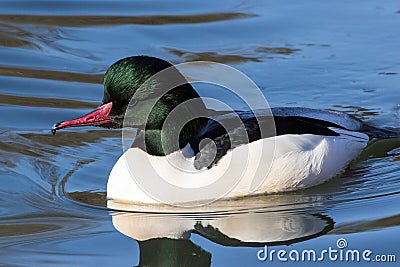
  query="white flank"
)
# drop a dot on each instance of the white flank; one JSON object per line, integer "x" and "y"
{"x": 300, "y": 161}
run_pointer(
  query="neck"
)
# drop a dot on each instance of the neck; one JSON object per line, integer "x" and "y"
{"x": 163, "y": 142}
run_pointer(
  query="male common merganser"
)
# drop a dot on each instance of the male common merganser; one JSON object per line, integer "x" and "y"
{"x": 310, "y": 146}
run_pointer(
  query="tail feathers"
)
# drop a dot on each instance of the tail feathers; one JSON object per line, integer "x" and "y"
{"x": 380, "y": 133}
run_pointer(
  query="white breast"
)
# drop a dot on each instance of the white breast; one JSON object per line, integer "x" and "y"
{"x": 299, "y": 161}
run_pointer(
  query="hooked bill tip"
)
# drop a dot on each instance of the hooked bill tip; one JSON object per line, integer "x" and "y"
{"x": 54, "y": 128}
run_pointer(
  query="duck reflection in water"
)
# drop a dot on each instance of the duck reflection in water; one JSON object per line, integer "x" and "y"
{"x": 165, "y": 238}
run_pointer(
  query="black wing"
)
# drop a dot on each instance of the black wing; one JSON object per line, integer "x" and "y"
{"x": 224, "y": 132}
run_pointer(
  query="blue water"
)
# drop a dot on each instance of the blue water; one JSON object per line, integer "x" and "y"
{"x": 337, "y": 55}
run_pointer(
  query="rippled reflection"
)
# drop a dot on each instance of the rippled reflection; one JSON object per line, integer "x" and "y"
{"x": 257, "y": 54}
{"x": 243, "y": 222}
{"x": 169, "y": 235}
{"x": 112, "y": 20}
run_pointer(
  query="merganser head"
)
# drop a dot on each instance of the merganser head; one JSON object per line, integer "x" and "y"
{"x": 126, "y": 83}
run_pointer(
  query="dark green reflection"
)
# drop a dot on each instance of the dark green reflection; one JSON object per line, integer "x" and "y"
{"x": 171, "y": 252}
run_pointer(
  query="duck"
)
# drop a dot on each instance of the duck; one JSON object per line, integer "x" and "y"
{"x": 214, "y": 154}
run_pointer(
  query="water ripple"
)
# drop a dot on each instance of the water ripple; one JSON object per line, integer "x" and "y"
{"x": 83, "y": 21}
